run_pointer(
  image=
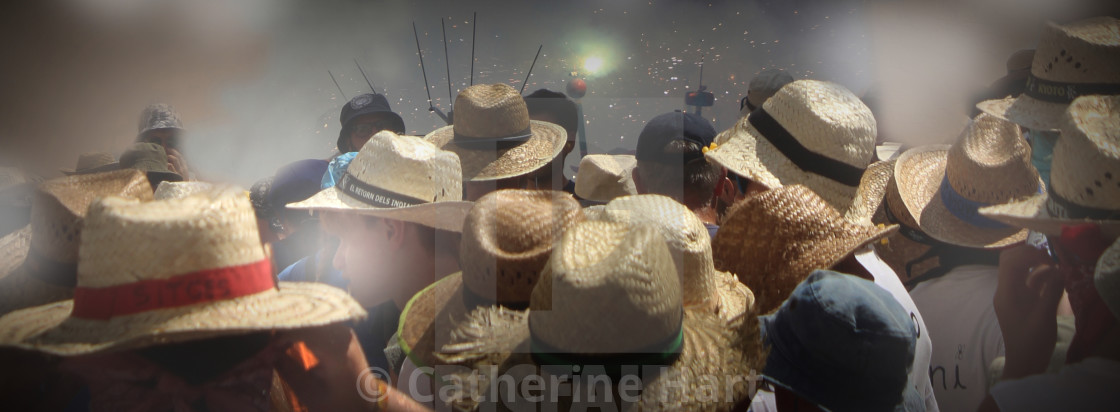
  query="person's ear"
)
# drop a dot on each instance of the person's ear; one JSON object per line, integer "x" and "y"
{"x": 637, "y": 181}
{"x": 394, "y": 232}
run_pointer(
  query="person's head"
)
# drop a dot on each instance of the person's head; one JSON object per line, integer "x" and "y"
{"x": 762, "y": 86}
{"x": 391, "y": 260}
{"x": 671, "y": 161}
{"x": 294, "y": 182}
{"x": 160, "y": 124}
{"x": 363, "y": 117}
{"x": 554, "y": 107}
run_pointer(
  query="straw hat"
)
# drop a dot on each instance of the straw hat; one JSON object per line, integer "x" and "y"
{"x": 150, "y": 158}
{"x": 507, "y": 239}
{"x": 398, "y": 177}
{"x": 705, "y": 288}
{"x": 602, "y": 177}
{"x": 871, "y": 192}
{"x": 169, "y": 271}
{"x": 1084, "y": 174}
{"x": 774, "y": 239}
{"x": 610, "y": 294}
{"x": 813, "y": 133}
{"x": 179, "y": 190}
{"x": 943, "y": 186}
{"x": 13, "y": 250}
{"x": 1107, "y": 278}
{"x": 1071, "y": 60}
{"x": 494, "y": 137}
{"x": 93, "y": 162}
{"x": 48, "y": 270}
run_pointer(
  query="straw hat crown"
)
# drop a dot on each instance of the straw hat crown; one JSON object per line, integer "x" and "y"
{"x": 1086, "y": 165}
{"x": 992, "y": 162}
{"x": 60, "y": 206}
{"x": 507, "y": 240}
{"x": 608, "y": 288}
{"x": 603, "y": 177}
{"x": 827, "y": 119}
{"x": 188, "y": 235}
{"x": 410, "y": 166}
{"x": 490, "y": 111}
{"x": 1086, "y": 51}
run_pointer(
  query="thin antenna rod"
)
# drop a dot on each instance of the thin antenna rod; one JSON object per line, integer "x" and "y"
{"x": 426, "y": 87}
{"x": 371, "y": 88}
{"x": 701, "y": 72}
{"x": 474, "y": 33}
{"x": 336, "y": 85}
{"x": 450, "y": 98}
{"x": 530, "y": 73}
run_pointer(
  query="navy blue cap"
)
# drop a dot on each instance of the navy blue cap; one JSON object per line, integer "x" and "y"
{"x": 665, "y": 128}
{"x": 360, "y": 105}
{"x": 296, "y": 181}
{"x": 843, "y": 343}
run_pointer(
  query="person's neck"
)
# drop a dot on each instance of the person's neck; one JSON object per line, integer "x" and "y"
{"x": 707, "y": 214}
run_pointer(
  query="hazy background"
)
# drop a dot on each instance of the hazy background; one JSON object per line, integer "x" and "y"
{"x": 249, "y": 77}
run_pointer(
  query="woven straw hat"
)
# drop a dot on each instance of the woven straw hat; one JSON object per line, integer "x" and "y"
{"x": 58, "y": 210}
{"x": 93, "y": 162}
{"x": 871, "y": 192}
{"x": 402, "y": 178}
{"x": 13, "y": 250}
{"x": 507, "y": 239}
{"x": 610, "y": 294}
{"x": 494, "y": 137}
{"x": 774, "y": 239}
{"x": 602, "y": 177}
{"x": 813, "y": 133}
{"x": 179, "y": 190}
{"x": 1084, "y": 174}
{"x": 169, "y": 271}
{"x": 943, "y": 187}
{"x": 1071, "y": 60}
{"x": 704, "y": 288}
{"x": 1107, "y": 278}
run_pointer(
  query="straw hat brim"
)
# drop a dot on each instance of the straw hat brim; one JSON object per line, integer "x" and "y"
{"x": 735, "y": 298}
{"x": 1026, "y": 111}
{"x": 50, "y": 328}
{"x": 1032, "y": 214}
{"x": 108, "y": 167}
{"x": 416, "y": 330}
{"x": 919, "y": 174}
{"x": 871, "y": 192}
{"x": 541, "y": 148}
{"x": 447, "y": 216}
{"x": 713, "y": 349}
{"x": 750, "y": 155}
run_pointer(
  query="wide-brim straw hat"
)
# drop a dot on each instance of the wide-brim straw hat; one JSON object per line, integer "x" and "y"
{"x": 812, "y": 133}
{"x": 603, "y": 177}
{"x": 494, "y": 137}
{"x": 871, "y": 192}
{"x": 507, "y": 240}
{"x": 704, "y": 287}
{"x": 1071, "y": 60}
{"x": 944, "y": 186}
{"x": 774, "y": 239}
{"x": 610, "y": 290}
{"x": 169, "y": 271}
{"x": 402, "y": 178}
{"x": 1084, "y": 174}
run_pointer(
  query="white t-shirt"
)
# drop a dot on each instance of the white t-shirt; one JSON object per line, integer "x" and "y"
{"x": 966, "y": 337}
{"x": 887, "y": 279}
{"x": 1090, "y": 385}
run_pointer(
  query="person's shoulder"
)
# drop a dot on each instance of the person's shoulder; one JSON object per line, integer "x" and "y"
{"x": 296, "y": 272}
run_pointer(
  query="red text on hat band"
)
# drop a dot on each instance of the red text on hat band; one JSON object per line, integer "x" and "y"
{"x": 189, "y": 289}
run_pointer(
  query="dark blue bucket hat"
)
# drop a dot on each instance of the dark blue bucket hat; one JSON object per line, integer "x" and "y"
{"x": 665, "y": 128}
{"x": 843, "y": 343}
{"x": 360, "y": 105}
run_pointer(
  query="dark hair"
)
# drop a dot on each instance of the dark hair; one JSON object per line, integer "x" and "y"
{"x": 199, "y": 361}
{"x": 691, "y": 181}
{"x": 556, "y": 105}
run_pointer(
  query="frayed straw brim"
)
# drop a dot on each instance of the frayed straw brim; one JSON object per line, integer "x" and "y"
{"x": 1033, "y": 214}
{"x": 447, "y": 215}
{"x": 871, "y": 192}
{"x": 1027, "y": 112}
{"x": 713, "y": 349}
{"x": 483, "y": 165}
{"x": 748, "y": 154}
{"x": 50, "y": 328}
{"x": 919, "y": 175}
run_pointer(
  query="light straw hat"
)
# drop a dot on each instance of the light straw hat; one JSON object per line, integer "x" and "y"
{"x": 178, "y": 190}
{"x": 494, "y": 137}
{"x": 170, "y": 271}
{"x": 871, "y": 192}
{"x": 48, "y": 271}
{"x": 812, "y": 133}
{"x": 507, "y": 239}
{"x": 1107, "y": 278}
{"x": 1071, "y": 60}
{"x": 1084, "y": 174}
{"x": 610, "y": 298}
{"x": 603, "y": 177}
{"x": 944, "y": 186}
{"x": 776, "y": 238}
{"x": 705, "y": 288}
{"x": 398, "y": 177}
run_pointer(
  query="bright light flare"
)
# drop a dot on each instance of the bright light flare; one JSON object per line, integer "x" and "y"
{"x": 592, "y": 64}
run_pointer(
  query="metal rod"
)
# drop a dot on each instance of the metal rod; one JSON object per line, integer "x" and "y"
{"x": 474, "y": 33}
{"x": 426, "y": 87}
{"x": 447, "y": 62}
{"x": 371, "y": 88}
{"x": 701, "y": 86}
{"x": 531, "y": 69}
{"x": 336, "y": 85}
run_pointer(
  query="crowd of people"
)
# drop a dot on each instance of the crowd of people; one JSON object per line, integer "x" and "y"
{"x": 790, "y": 262}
